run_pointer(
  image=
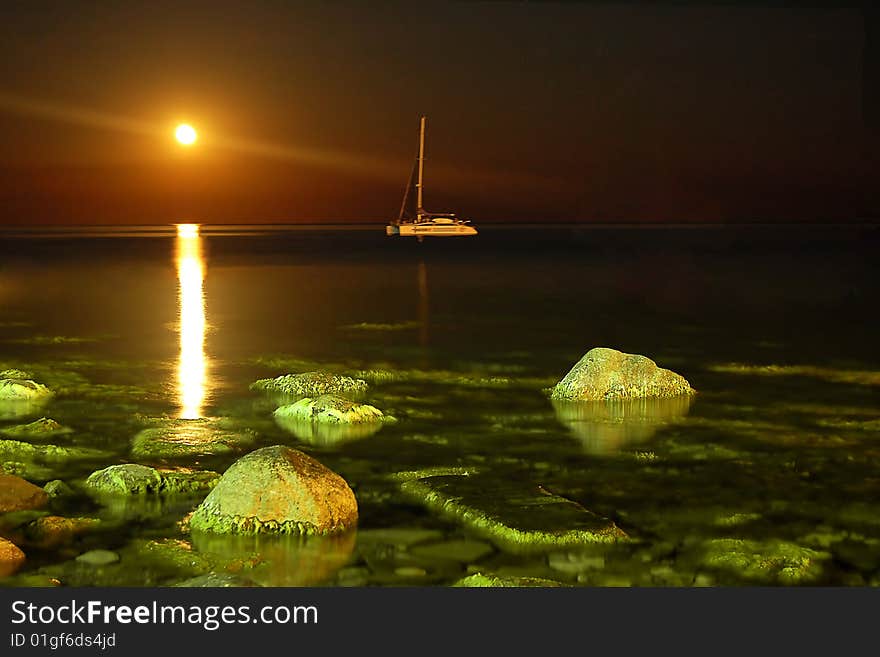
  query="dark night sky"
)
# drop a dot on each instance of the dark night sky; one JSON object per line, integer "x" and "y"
{"x": 536, "y": 111}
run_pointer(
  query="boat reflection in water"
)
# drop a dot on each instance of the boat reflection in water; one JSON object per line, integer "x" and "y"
{"x": 192, "y": 367}
{"x": 607, "y": 427}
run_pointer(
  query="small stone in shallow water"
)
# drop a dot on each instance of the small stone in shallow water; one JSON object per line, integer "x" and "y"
{"x": 57, "y": 488}
{"x": 11, "y": 558}
{"x": 410, "y": 571}
{"x": 331, "y": 409}
{"x": 44, "y": 427}
{"x": 98, "y": 557}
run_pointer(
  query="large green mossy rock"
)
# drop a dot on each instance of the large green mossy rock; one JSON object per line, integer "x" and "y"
{"x": 767, "y": 562}
{"x": 41, "y": 429}
{"x": 311, "y": 384}
{"x": 186, "y": 438}
{"x": 605, "y": 373}
{"x": 516, "y": 516}
{"x": 609, "y": 426}
{"x": 135, "y": 479}
{"x": 277, "y": 490}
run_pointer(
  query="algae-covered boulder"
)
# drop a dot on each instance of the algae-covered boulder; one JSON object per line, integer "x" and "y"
{"x": 16, "y": 494}
{"x": 311, "y": 384}
{"x": 607, "y": 426}
{"x": 610, "y": 374}
{"x": 277, "y": 490}
{"x": 11, "y": 558}
{"x": 36, "y": 430}
{"x": 186, "y": 438}
{"x": 517, "y": 516}
{"x": 135, "y": 479}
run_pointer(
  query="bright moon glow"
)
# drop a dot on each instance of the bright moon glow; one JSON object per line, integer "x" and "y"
{"x": 192, "y": 368}
{"x": 186, "y": 134}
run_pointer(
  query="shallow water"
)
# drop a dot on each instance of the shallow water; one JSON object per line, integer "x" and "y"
{"x": 768, "y": 475}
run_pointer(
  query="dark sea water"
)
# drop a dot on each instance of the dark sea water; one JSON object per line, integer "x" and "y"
{"x": 768, "y": 475}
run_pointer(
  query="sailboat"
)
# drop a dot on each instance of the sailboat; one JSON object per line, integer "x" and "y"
{"x": 413, "y": 219}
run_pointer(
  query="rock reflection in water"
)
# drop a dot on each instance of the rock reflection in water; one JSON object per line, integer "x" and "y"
{"x": 606, "y": 427}
{"x": 286, "y": 560}
{"x": 326, "y": 434}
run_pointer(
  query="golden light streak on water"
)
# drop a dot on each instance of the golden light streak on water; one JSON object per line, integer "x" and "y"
{"x": 192, "y": 368}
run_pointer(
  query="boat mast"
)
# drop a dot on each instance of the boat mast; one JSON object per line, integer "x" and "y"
{"x": 419, "y": 210}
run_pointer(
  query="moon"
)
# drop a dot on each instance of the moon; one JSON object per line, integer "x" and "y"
{"x": 185, "y": 134}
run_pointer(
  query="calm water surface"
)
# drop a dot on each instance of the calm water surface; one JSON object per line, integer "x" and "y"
{"x": 768, "y": 475}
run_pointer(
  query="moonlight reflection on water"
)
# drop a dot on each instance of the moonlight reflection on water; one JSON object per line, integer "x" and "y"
{"x": 192, "y": 368}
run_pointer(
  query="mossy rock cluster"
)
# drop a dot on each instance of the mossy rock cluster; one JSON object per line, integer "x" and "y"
{"x": 311, "y": 384}
{"x": 135, "y": 479}
{"x": 22, "y": 390}
{"x": 17, "y": 450}
{"x": 605, "y": 373}
{"x": 479, "y": 580}
{"x": 277, "y": 490}
{"x": 763, "y": 562}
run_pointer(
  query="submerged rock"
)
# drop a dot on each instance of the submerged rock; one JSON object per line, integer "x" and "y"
{"x": 134, "y": 479}
{"x": 11, "y": 558}
{"x": 518, "y": 517}
{"x": 57, "y": 488}
{"x": 277, "y": 490}
{"x": 479, "y": 580}
{"x": 216, "y": 581}
{"x": 768, "y": 562}
{"x": 16, "y": 494}
{"x": 610, "y": 374}
{"x": 20, "y": 450}
{"x": 52, "y": 531}
{"x": 36, "y": 430}
{"x": 311, "y": 384}
{"x": 98, "y": 558}
{"x": 607, "y": 426}
{"x": 182, "y": 438}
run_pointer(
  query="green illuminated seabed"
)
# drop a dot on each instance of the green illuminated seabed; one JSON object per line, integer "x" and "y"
{"x": 767, "y": 476}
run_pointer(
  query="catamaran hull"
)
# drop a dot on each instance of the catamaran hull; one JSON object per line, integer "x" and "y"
{"x": 410, "y": 230}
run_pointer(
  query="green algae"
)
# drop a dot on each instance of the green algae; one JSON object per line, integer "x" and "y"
{"x": 516, "y": 516}
{"x": 832, "y": 375}
{"x": 384, "y": 327}
{"x": 770, "y": 562}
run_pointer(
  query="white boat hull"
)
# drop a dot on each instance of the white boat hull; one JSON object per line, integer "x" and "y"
{"x": 431, "y": 230}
